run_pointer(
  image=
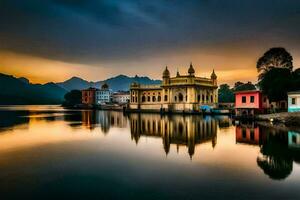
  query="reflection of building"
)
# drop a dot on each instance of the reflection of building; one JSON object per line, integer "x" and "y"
{"x": 89, "y": 119}
{"x": 179, "y": 130}
{"x": 248, "y": 133}
{"x": 103, "y": 119}
{"x": 181, "y": 93}
{"x": 294, "y": 139}
{"x": 294, "y": 101}
{"x": 121, "y": 97}
{"x": 88, "y": 96}
{"x": 275, "y": 157}
{"x": 103, "y": 95}
{"x": 249, "y": 103}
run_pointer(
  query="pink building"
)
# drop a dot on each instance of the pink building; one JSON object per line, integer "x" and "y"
{"x": 251, "y": 102}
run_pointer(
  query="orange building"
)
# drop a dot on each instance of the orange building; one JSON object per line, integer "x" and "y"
{"x": 89, "y": 96}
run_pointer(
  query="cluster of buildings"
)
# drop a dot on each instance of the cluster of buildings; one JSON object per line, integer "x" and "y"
{"x": 94, "y": 96}
{"x": 186, "y": 93}
{"x": 252, "y": 102}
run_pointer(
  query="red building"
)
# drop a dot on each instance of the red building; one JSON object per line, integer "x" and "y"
{"x": 89, "y": 96}
{"x": 251, "y": 102}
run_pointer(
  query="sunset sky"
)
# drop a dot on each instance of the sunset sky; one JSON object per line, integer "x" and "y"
{"x": 53, "y": 40}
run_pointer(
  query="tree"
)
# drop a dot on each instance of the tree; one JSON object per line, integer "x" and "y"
{"x": 276, "y": 83}
{"x": 295, "y": 82}
{"x": 239, "y": 86}
{"x": 72, "y": 98}
{"x": 274, "y": 58}
{"x": 225, "y": 94}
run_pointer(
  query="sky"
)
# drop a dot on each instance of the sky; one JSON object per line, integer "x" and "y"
{"x": 53, "y": 40}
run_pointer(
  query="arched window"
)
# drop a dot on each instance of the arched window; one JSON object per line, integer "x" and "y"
{"x": 206, "y": 97}
{"x": 149, "y": 99}
{"x": 143, "y": 98}
{"x": 153, "y": 98}
{"x": 198, "y": 98}
{"x": 203, "y": 97}
{"x": 211, "y": 98}
{"x": 175, "y": 98}
{"x": 159, "y": 98}
{"x": 136, "y": 99}
{"x": 180, "y": 97}
{"x": 166, "y": 97}
{"x": 132, "y": 99}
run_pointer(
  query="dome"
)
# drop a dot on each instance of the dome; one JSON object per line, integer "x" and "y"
{"x": 104, "y": 86}
{"x": 166, "y": 73}
{"x": 213, "y": 75}
{"x": 191, "y": 70}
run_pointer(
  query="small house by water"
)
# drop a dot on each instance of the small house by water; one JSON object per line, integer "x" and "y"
{"x": 294, "y": 101}
{"x": 250, "y": 102}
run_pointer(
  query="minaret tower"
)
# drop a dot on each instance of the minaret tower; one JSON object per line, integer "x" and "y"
{"x": 166, "y": 76}
{"x": 213, "y": 77}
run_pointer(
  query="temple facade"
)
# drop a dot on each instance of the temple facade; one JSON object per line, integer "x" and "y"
{"x": 182, "y": 93}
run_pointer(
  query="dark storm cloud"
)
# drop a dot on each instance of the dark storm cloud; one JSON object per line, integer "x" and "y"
{"x": 88, "y": 31}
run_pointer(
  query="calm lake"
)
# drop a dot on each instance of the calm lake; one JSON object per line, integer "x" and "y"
{"x": 47, "y": 152}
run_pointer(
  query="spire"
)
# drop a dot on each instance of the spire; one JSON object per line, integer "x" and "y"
{"x": 191, "y": 70}
{"x": 213, "y": 75}
{"x": 166, "y": 73}
{"x": 177, "y": 75}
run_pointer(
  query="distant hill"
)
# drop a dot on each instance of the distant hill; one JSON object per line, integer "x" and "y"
{"x": 117, "y": 83}
{"x": 19, "y": 91}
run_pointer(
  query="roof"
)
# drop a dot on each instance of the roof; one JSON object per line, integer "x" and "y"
{"x": 246, "y": 91}
{"x": 294, "y": 92}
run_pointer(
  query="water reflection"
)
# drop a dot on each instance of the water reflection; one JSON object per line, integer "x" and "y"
{"x": 178, "y": 130}
{"x": 278, "y": 149}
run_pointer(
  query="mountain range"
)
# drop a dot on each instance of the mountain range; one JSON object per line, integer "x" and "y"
{"x": 15, "y": 91}
{"x": 117, "y": 83}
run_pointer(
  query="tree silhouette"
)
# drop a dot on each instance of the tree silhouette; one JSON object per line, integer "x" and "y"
{"x": 274, "y": 58}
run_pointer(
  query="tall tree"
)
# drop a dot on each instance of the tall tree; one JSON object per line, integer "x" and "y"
{"x": 225, "y": 94}
{"x": 72, "y": 98}
{"x": 274, "y": 58}
{"x": 276, "y": 83}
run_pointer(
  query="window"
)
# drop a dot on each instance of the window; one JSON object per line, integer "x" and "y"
{"x": 159, "y": 98}
{"x": 198, "y": 98}
{"x": 243, "y": 99}
{"x": 294, "y": 139}
{"x": 244, "y": 133}
{"x": 175, "y": 98}
{"x": 143, "y": 98}
{"x": 180, "y": 97}
{"x": 293, "y": 101}
{"x": 211, "y": 98}
{"x": 252, "y": 99}
{"x": 153, "y": 99}
{"x": 166, "y": 97}
{"x": 252, "y": 134}
{"x": 148, "y": 98}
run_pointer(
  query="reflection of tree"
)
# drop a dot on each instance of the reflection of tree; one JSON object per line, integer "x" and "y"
{"x": 10, "y": 119}
{"x": 276, "y": 160}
